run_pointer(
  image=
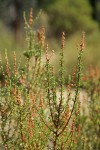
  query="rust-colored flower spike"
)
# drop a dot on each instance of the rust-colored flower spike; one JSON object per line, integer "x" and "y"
{"x": 96, "y": 72}
{"x": 41, "y": 36}
{"x": 23, "y": 138}
{"x": 82, "y": 45}
{"x": 33, "y": 104}
{"x": 69, "y": 91}
{"x": 7, "y": 65}
{"x": 19, "y": 98}
{"x": 15, "y": 90}
{"x": 47, "y": 55}
{"x": 30, "y": 126}
{"x": 78, "y": 128}
{"x": 53, "y": 70}
{"x": 15, "y": 65}
{"x": 22, "y": 79}
{"x": 72, "y": 126}
{"x": 73, "y": 77}
{"x": 33, "y": 98}
{"x": 41, "y": 101}
{"x": 74, "y": 140}
{"x": 84, "y": 78}
{"x": 31, "y": 17}
{"x": 78, "y": 110}
{"x": 63, "y": 40}
{"x": 66, "y": 114}
{"x": 91, "y": 72}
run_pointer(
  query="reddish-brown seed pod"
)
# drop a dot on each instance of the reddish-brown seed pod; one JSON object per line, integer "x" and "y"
{"x": 63, "y": 40}
{"x": 31, "y": 17}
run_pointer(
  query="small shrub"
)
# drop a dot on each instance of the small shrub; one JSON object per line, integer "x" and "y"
{"x": 33, "y": 114}
{"x": 91, "y": 128}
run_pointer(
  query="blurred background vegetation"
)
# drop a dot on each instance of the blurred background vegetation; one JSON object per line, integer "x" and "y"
{"x": 70, "y": 16}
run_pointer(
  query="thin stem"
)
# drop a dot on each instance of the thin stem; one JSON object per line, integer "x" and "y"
{"x": 55, "y": 140}
{"x": 77, "y": 91}
{"x": 20, "y": 123}
{"x": 61, "y": 79}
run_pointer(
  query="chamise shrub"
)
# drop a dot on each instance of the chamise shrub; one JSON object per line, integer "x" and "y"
{"x": 35, "y": 114}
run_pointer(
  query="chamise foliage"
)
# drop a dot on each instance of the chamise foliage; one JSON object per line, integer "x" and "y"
{"x": 35, "y": 113}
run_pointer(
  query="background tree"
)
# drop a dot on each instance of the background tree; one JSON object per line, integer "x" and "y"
{"x": 11, "y": 13}
{"x": 96, "y": 9}
{"x": 70, "y": 16}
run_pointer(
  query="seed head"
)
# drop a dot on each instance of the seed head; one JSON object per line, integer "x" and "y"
{"x": 31, "y": 17}
{"x": 63, "y": 41}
